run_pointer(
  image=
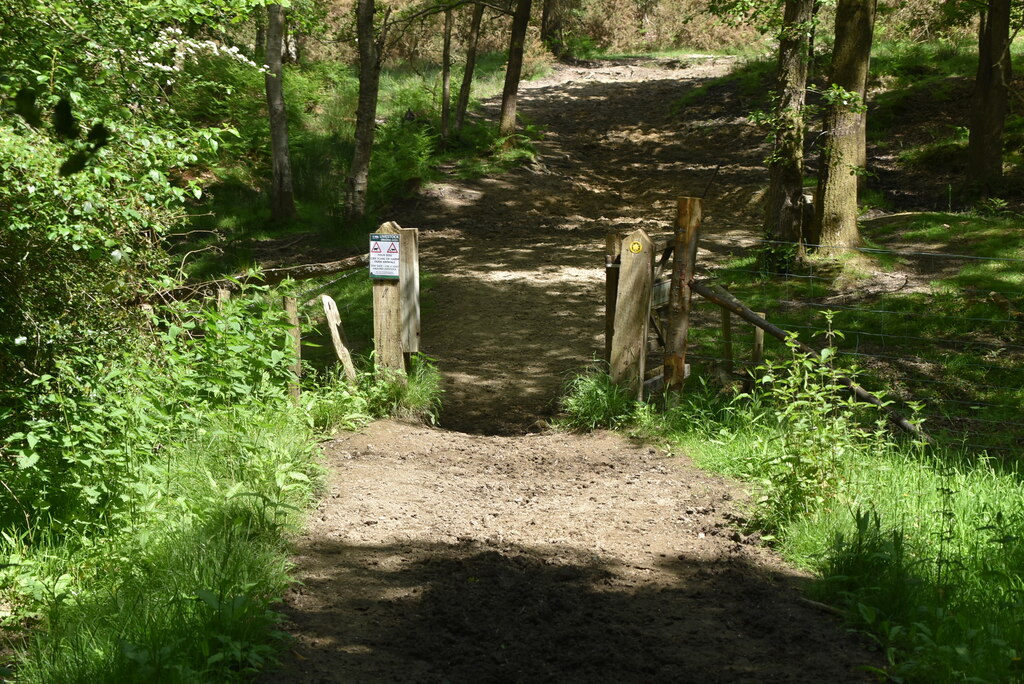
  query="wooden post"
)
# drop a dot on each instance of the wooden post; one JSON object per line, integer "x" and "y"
{"x": 756, "y": 356}
{"x": 632, "y": 312}
{"x": 757, "y": 353}
{"x": 727, "y": 365}
{"x": 291, "y": 307}
{"x": 387, "y": 316}
{"x": 223, "y": 295}
{"x": 613, "y": 245}
{"x": 409, "y": 284}
{"x": 688, "y": 216}
{"x": 338, "y": 338}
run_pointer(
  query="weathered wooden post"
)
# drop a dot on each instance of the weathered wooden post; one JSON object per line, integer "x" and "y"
{"x": 409, "y": 285}
{"x": 756, "y": 356}
{"x": 338, "y": 338}
{"x": 727, "y": 364}
{"x": 632, "y": 312}
{"x": 291, "y": 307}
{"x": 613, "y": 245}
{"x": 688, "y": 216}
{"x": 223, "y": 297}
{"x": 387, "y": 297}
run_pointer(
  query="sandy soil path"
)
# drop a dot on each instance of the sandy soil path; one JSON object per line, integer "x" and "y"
{"x": 492, "y": 550}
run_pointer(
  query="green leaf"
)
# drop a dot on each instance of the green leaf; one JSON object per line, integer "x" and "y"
{"x": 27, "y": 461}
{"x": 209, "y": 598}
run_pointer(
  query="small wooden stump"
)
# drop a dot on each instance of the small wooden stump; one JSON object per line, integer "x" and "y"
{"x": 338, "y": 338}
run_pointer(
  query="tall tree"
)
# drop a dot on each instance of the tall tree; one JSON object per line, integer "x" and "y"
{"x": 282, "y": 200}
{"x": 836, "y": 202}
{"x": 550, "y": 26}
{"x": 991, "y": 97}
{"x": 370, "y": 49}
{"x": 784, "y": 202}
{"x": 446, "y": 77}
{"x": 514, "y": 71}
{"x": 467, "y": 77}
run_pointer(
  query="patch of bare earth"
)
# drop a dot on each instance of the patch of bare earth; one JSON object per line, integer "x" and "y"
{"x": 483, "y": 553}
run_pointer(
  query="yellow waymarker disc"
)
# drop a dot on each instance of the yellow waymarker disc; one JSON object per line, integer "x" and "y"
{"x": 635, "y": 247}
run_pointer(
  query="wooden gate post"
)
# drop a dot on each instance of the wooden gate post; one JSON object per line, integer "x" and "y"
{"x": 688, "y": 216}
{"x": 613, "y": 246}
{"x": 387, "y": 310}
{"x": 632, "y": 312}
{"x": 409, "y": 285}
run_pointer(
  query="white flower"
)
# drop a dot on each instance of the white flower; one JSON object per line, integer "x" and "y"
{"x": 18, "y": 341}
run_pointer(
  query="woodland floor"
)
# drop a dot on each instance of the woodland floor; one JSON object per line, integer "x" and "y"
{"x": 492, "y": 549}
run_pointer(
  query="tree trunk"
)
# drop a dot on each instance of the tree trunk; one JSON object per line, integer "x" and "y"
{"x": 366, "y": 109}
{"x": 282, "y": 201}
{"x": 784, "y": 201}
{"x": 467, "y": 77}
{"x": 836, "y": 202}
{"x": 259, "y": 48}
{"x": 446, "y": 78}
{"x": 990, "y": 99}
{"x": 861, "y": 161}
{"x": 549, "y": 28}
{"x": 520, "y": 22}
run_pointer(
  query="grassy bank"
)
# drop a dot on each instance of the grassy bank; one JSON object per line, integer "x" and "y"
{"x": 145, "y": 538}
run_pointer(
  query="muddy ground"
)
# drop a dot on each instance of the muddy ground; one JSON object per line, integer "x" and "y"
{"x": 493, "y": 549}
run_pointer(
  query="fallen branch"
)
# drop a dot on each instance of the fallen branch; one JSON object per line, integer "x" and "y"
{"x": 270, "y": 276}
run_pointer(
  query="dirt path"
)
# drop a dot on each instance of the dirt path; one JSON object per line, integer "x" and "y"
{"x": 482, "y": 553}
{"x": 519, "y": 258}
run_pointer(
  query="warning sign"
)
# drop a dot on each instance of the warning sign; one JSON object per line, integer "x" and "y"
{"x": 384, "y": 256}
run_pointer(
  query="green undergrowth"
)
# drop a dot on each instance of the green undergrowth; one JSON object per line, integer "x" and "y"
{"x": 922, "y": 548}
{"x": 949, "y": 340}
{"x": 151, "y": 495}
{"x": 321, "y": 99}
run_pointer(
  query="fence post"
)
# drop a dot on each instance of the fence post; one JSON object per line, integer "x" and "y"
{"x": 632, "y": 312}
{"x": 727, "y": 364}
{"x": 223, "y": 295}
{"x": 409, "y": 284}
{"x": 338, "y": 338}
{"x": 291, "y": 307}
{"x": 387, "y": 308}
{"x": 688, "y": 216}
{"x": 613, "y": 245}
{"x": 756, "y": 356}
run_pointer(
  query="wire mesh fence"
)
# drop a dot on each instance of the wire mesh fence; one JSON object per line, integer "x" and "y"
{"x": 938, "y": 333}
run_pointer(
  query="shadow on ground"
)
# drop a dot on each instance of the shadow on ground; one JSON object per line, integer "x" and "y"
{"x": 474, "y": 612}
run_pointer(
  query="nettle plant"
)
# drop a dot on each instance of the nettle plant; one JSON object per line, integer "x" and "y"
{"x": 89, "y": 431}
{"x": 818, "y": 426}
